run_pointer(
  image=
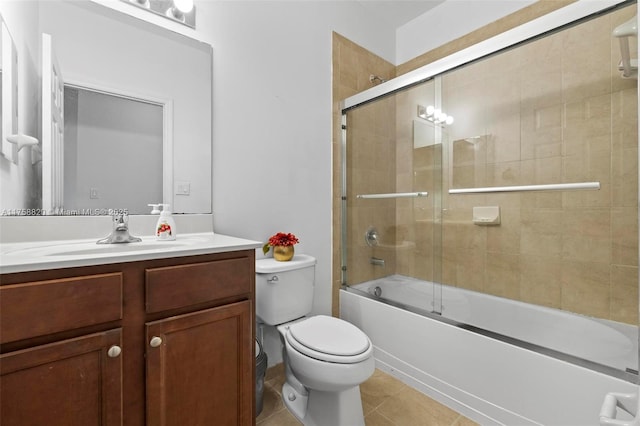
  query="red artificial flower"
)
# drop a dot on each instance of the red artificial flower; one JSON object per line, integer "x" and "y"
{"x": 280, "y": 239}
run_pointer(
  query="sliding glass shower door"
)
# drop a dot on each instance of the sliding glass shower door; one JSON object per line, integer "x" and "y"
{"x": 512, "y": 179}
{"x": 393, "y": 175}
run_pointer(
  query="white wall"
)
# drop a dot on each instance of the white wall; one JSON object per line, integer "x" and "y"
{"x": 449, "y": 21}
{"x": 272, "y": 155}
{"x": 272, "y": 133}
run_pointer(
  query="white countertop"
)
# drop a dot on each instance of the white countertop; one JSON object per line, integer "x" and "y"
{"x": 43, "y": 255}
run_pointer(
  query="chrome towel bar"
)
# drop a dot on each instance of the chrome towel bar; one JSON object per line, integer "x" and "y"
{"x": 521, "y": 188}
{"x": 393, "y": 195}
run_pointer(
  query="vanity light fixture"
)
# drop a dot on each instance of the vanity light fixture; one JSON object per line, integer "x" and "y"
{"x": 434, "y": 115}
{"x": 179, "y": 9}
{"x": 182, "y": 11}
{"x": 143, "y": 3}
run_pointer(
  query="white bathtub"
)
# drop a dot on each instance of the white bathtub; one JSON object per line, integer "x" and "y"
{"x": 490, "y": 380}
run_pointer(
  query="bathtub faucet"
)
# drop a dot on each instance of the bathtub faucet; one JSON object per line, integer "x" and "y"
{"x": 376, "y": 261}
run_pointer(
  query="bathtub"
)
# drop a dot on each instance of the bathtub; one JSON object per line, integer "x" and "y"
{"x": 494, "y": 360}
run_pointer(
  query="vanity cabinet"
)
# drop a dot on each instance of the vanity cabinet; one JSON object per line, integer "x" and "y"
{"x": 152, "y": 342}
{"x": 196, "y": 374}
{"x": 71, "y": 382}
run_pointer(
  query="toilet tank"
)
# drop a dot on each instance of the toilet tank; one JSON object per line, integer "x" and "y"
{"x": 284, "y": 290}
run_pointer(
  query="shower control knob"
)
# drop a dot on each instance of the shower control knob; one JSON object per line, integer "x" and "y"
{"x": 155, "y": 341}
{"x": 291, "y": 397}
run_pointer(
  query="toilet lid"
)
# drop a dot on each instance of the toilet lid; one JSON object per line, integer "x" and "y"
{"x": 329, "y": 339}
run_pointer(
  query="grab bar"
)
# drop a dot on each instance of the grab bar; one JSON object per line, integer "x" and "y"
{"x": 393, "y": 195}
{"x": 547, "y": 187}
{"x": 626, "y": 401}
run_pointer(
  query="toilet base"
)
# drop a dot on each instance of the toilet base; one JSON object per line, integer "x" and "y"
{"x": 294, "y": 401}
{"x": 325, "y": 408}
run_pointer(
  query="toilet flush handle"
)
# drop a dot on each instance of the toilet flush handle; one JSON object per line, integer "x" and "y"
{"x": 273, "y": 279}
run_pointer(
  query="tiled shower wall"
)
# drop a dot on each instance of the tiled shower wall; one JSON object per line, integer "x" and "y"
{"x": 528, "y": 116}
{"x": 553, "y": 111}
{"x": 352, "y": 66}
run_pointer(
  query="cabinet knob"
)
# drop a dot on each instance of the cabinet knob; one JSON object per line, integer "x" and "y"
{"x": 155, "y": 341}
{"x": 114, "y": 351}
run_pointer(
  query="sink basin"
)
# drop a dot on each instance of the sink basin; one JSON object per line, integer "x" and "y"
{"x": 48, "y": 254}
{"x": 91, "y": 248}
{"x": 116, "y": 248}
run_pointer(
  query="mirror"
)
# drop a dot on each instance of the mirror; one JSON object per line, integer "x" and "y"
{"x": 8, "y": 93}
{"x": 121, "y": 71}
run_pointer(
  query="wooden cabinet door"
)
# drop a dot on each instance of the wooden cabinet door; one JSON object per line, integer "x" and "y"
{"x": 200, "y": 368}
{"x": 72, "y": 382}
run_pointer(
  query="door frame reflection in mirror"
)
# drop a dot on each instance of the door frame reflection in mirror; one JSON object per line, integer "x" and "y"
{"x": 167, "y": 133}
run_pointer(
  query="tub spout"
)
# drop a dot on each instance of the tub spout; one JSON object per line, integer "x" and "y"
{"x": 376, "y": 261}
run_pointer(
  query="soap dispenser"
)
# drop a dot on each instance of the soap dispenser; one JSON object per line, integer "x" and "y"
{"x": 166, "y": 226}
{"x": 155, "y": 208}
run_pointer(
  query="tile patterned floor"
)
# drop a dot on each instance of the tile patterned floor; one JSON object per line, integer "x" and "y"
{"x": 386, "y": 401}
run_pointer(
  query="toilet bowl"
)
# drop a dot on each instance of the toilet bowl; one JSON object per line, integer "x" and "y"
{"x": 326, "y": 358}
{"x": 330, "y": 358}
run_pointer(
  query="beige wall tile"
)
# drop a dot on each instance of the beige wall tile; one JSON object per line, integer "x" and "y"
{"x": 582, "y": 75}
{"x": 541, "y": 170}
{"x": 585, "y": 288}
{"x": 540, "y": 280}
{"x": 506, "y": 237}
{"x": 624, "y": 294}
{"x": 624, "y": 236}
{"x": 503, "y": 275}
{"x": 586, "y": 234}
{"x": 541, "y": 131}
{"x": 470, "y": 267}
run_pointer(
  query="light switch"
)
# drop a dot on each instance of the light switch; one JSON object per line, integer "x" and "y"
{"x": 183, "y": 188}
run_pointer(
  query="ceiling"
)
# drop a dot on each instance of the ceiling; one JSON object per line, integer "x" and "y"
{"x": 398, "y": 12}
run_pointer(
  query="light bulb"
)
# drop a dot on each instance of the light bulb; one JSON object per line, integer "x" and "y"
{"x": 141, "y": 3}
{"x": 449, "y": 120}
{"x": 184, "y": 6}
{"x": 430, "y": 110}
{"x": 442, "y": 117}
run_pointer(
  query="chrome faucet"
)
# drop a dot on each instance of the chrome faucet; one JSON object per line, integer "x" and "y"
{"x": 120, "y": 231}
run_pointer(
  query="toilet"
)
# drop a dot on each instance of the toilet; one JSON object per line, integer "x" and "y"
{"x": 325, "y": 358}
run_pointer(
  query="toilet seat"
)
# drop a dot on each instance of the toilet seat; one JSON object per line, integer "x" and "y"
{"x": 329, "y": 339}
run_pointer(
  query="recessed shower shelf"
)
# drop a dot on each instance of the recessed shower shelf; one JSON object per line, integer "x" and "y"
{"x": 393, "y": 195}
{"x": 524, "y": 188}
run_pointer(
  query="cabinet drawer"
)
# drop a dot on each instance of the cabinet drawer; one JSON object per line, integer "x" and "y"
{"x": 185, "y": 285}
{"x": 45, "y": 307}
